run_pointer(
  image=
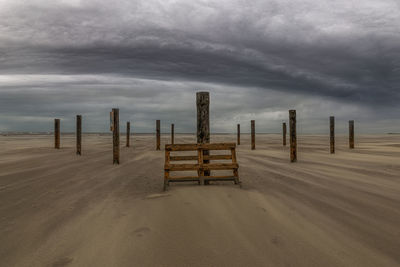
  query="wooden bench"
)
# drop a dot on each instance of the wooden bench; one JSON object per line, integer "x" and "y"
{"x": 203, "y": 165}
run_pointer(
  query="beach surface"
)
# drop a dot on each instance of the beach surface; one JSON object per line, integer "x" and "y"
{"x": 60, "y": 209}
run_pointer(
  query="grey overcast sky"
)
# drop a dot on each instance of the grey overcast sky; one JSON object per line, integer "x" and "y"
{"x": 258, "y": 59}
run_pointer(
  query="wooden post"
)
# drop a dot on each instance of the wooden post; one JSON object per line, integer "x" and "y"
{"x": 284, "y": 133}
{"x": 158, "y": 135}
{"x": 332, "y": 134}
{"x": 79, "y": 134}
{"x": 293, "y": 137}
{"x": 253, "y": 134}
{"x": 128, "y": 133}
{"x": 172, "y": 133}
{"x": 351, "y": 134}
{"x": 238, "y": 134}
{"x": 57, "y": 133}
{"x": 115, "y": 129}
{"x": 203, "y": 122}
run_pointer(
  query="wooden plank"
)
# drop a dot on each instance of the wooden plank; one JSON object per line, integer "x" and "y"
{"x": 221, "y": 177}
{"x": 193, "y": 147}
{"x": 218, "y": 146}
{"x": 220, "y": 166}
{"x": 210, "y": 157}
{"x": 181, "y": 147}
{"x": 181, "y": 167}
{"x": 192, "y": 178}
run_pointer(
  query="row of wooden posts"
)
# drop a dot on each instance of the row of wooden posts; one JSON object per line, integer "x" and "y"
{"x": 116, "y": 143}
{"x": 203, "y": 130}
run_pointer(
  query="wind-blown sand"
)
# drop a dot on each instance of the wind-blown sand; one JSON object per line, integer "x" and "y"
{"x": 59, "y": 209}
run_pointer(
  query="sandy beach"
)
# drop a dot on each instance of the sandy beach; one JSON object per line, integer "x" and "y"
{"x": 60, "y": 209}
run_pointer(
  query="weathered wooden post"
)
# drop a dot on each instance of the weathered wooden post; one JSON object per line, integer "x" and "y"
{"x": 253, "y": 134}
{"x": 238, "y": 134}
{"x": 284, "y": 133}
{"x": 351, "y": 134}
{"x": 332, "y": 133}
{"x": 79, "y": 134}
{"x": 115, "y": 130}
{"x": 172, "y": 133}
{"x": 128, "y": 133}
{"x": 203, "y": 122}
{"x": 158, "y": 135}
{"x": 57, "y": 133}
{"x": 293, "y": 137}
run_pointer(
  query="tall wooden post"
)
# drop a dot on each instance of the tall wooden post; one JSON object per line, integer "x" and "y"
{"x": 351, "y": 134}
{"x": 115, "y": 129}
{"x": 79, "y": 134}
{"x": 284, "y": 133}
{"x": 172, "y": 133}
{"x": 128, "y": 134}
{"x": 253, "y": 134}
{"x": 57, "y": 133}
{"x": 238, "y": 134}
{"x": 158, "y": 135}
{"x": 293, "y": 137}
{"x": 332, "y": 134}
{"x": 203, "y": 122}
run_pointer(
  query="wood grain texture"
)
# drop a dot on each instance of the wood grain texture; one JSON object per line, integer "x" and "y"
{"x": 128, "y": 134}
{"x": 115, "y": 113}
{"x": 172, "y": 133}
{"x": 238, "y": 134}
{"x": 253, "y": 134}
{"x": 351, "y": 134}
{"x": 284, "y": 133}
{"x": 332, "y": 134}
{"x": 79, "y": 134}
{"x": 158, "y": 135}
{"x": 293, "y": 135}
{"x": 57, "y": 133}
{"x": 203, "y": 121}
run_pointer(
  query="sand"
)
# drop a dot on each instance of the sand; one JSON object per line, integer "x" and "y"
{"x": 59, "y": 209}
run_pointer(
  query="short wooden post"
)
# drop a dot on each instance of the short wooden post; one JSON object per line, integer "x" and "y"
{"x": 238, "y": 134}
{"x": 332, "y": 134}
{"x": 158, "y": 135}
{"x": 172, "y": 133}
{"x": 284, "y": 133}
{"x": 293, "y": 137}
{"x": 351, "y": 134}
{"x": 203, "y": 122}
{"x": 115, "y": 129}
{"x": 57, "y": 133}
{"x": 79, "y": 134}
{"x": 128, "y": 134}
{"x": 253, "y": 134}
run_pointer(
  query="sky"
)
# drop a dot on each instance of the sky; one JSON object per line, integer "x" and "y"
{"x": 258, "y": 59}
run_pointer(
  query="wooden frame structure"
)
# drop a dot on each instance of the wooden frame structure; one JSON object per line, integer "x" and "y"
{"x": 201, "y": 167}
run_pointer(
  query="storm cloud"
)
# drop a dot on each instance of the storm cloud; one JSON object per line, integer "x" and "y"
{"x": 258, "y": 59}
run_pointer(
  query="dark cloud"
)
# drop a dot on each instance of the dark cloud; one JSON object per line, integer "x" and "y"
{"x": 265, "y": 57}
